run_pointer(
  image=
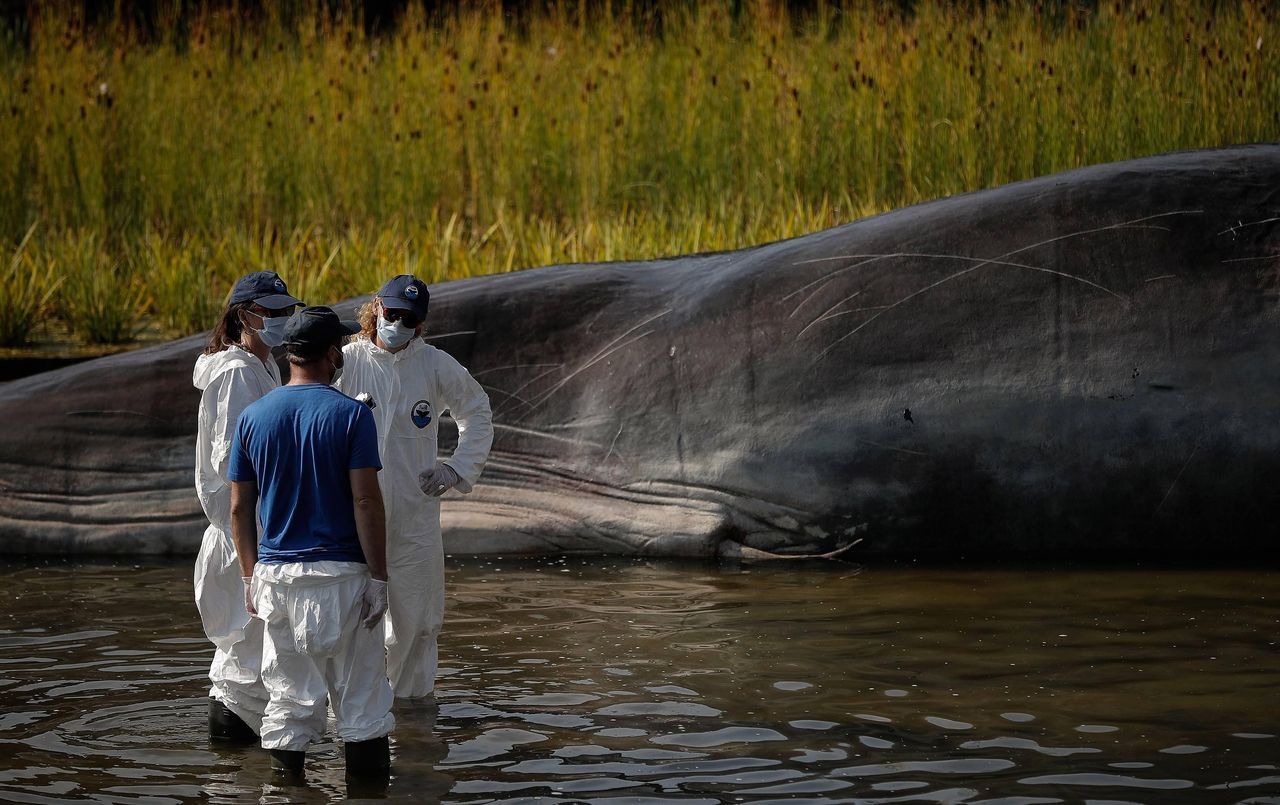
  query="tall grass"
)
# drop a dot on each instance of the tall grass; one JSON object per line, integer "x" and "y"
{"x": 24, "y": 293}
{"x": 101, "y": 298}
{"x": 464, "y": 144}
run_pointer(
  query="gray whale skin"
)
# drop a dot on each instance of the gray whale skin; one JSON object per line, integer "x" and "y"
{"x": 1084, "y": 366}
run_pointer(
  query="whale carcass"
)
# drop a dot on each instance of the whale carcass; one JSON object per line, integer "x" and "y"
{"x": 1085, "y": 365}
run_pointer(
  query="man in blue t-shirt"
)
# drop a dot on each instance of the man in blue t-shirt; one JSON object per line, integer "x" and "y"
{"x": 305, "y": 463}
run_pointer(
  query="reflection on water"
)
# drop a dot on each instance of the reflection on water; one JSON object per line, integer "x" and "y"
{"x": 632, "y": 682}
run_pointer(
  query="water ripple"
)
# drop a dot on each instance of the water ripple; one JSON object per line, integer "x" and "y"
{"x": 1096, "y": 779}
{"x": 636, "y": 682}
{"x": 720, "y": 737}
{"x": 963, "y": 766}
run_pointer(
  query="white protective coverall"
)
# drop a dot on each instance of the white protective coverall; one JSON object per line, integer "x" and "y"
{"x": 228, "y": 381}
{"x": 410, "y": 389}
{"x": 316, "y": 647}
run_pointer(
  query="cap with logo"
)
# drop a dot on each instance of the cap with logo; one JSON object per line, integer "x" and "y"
{"x": 265, "y": 288}
{"x": 407, "y": 292}
{"x": 316, "y": 326}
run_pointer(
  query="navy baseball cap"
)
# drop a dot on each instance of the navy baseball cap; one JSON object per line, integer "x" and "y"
{"x": 317, "y": 326}
{"x": 264, "y": 287}
{"x": 407, "y": 292}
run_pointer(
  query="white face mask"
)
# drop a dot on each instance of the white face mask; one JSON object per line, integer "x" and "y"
{"x": 272, "y": 332}
{"x": 393, "y": 334}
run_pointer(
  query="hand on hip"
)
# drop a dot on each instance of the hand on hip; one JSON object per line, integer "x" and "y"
{"x": 437, "y": 480}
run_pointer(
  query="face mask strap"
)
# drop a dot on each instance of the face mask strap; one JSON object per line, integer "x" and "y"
{"x": 246, "y": 312}
{"x": 269, "y": 334}
{"x": 336, "y": 364}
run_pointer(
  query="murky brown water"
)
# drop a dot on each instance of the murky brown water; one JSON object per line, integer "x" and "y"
{"x": 630, "y": 682}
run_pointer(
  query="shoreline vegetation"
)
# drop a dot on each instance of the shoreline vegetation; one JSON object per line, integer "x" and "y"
{"x": 139, "y": 176}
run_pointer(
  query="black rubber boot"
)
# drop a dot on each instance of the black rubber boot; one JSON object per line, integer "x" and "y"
{"x": 371, "y": 758}
{"x": 225, "y": 725}
{"x": 287, "y": 762}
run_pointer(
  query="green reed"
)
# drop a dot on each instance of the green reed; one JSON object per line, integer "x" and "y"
{"x": 463, "y": 145}
{"x": 24, "y": 292}
{"x": 100, "y": 297}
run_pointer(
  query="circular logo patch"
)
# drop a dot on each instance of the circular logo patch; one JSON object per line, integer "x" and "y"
{"x": 280, "y": 285}
{"x": 411, "y": 292}
{"x": 421, "y": 413}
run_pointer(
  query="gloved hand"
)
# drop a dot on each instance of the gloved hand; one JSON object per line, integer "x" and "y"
{"x": 248, "y": 595}
{"x": 373, "y": 603}
{"x": 438, "y": 480}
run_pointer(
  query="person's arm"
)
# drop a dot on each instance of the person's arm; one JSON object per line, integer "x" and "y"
{"x": 244, "y": 533}
{"x": 371, "y": 522}
{"x": 244, "y": 512}
{"x": 467, "y": 403}
{"x": 244, "y": 524}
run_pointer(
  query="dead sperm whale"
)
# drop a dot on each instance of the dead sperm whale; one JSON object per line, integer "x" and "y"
{"x": 1085, "y": 365}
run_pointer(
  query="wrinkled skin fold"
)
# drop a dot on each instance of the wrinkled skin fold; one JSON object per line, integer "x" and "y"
{"x": 1082, "y": 366}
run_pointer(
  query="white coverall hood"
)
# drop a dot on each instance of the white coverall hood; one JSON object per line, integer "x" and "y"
{"x": 209, "y": 367}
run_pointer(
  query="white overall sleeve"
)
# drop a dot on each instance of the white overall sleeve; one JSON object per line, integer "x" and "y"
{"x": 466, "y": 401}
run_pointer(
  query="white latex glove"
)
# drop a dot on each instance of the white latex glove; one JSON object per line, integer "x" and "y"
{"x": 373, "y": 603}
{"x": 437, "y": 480}
{"x": 248, "y": 595}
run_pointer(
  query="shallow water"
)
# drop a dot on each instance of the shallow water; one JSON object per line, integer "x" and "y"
{"x": 630, "y": 681}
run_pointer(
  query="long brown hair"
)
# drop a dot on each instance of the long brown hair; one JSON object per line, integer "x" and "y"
{"x": 368, "y": 319}
{"x": 228, "y": 330}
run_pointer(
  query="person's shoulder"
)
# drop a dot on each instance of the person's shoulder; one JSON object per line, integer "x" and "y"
{"x": 361, "y": 352}
{"x": 230, "y": 365}
{"x": 438, "y": 357}
{"x": 258, "y": 408}
{"x": 342, "y": 407}
{"x": 357, "y": 346}
{"x": 338, "y": 401}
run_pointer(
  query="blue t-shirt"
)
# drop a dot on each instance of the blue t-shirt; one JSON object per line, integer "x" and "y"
{"x": 297, "y": 443}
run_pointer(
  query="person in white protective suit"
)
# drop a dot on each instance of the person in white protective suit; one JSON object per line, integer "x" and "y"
{"x": 409, "y": 384}
{"x": 235, "y": 370}
{"x": 305, "y": 463}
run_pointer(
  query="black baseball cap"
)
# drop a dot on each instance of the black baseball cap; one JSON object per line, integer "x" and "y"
{"x": 316, "y": 326}
{"x": 407, "y": 292}
{"x": 264, "y": 287}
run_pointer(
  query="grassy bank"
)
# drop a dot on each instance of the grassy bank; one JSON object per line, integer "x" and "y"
{"x": 155, "y": 173}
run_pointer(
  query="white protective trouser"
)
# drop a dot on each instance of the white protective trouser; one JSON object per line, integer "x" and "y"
{"x": 315, "y": 647}
{"x": 415, "y": 610}
{"x": 236, "y": 636}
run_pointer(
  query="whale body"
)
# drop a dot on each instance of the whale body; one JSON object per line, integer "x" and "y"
{"x": 1083, "y": 366}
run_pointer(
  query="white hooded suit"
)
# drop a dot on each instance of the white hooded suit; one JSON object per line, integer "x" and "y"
{"x": 410, "y": 389}
{"x": 228, "y": 381}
